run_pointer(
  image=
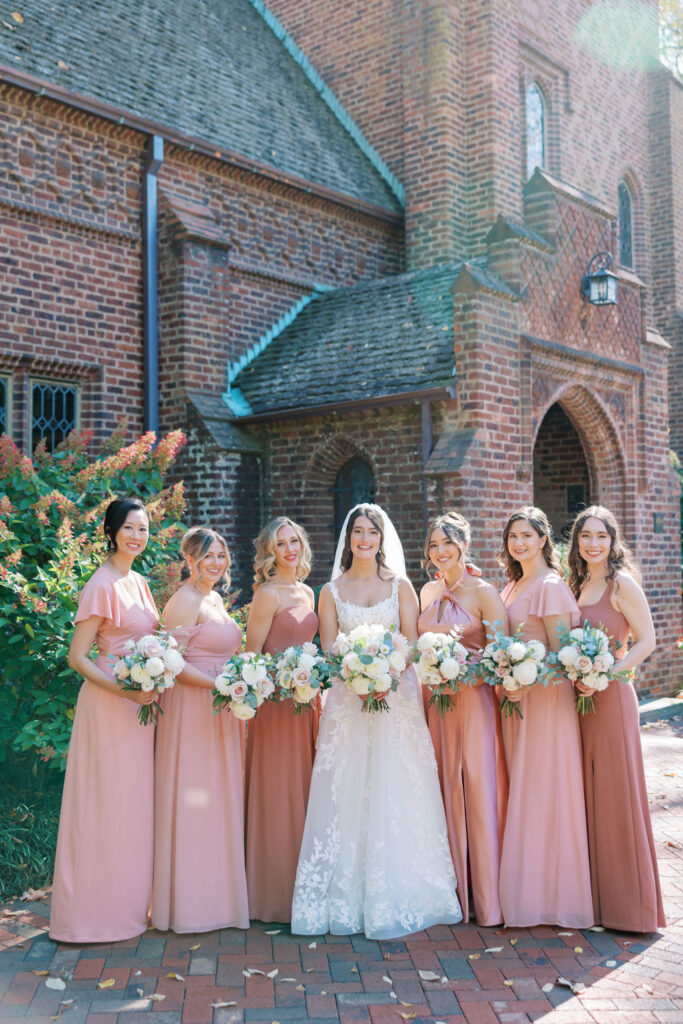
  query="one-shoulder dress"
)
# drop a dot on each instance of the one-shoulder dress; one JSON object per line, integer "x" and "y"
{"x": 624, "y": 874}
{"x": 199, "y": 877}
{"x": 544, "y": 872}
{"x": 280, "y": 753}
{"x": 375, "y": 854}
{"x": 103, "y": 868}
{"x": 469, "y": 753}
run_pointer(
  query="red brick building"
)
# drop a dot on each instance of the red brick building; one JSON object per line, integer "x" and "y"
{"x": 358, "y": 276}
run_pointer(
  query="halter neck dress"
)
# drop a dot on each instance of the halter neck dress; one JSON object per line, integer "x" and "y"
{"x": 199, "y": 876}
{"x": 624, "y": 874}
{"x": 469, "y": 753}
{"x": 544, "y": 871}
{"x": 280, "y": 753}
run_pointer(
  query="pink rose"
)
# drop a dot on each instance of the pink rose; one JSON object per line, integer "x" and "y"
{"x": 501, "y": 671}
{"x": 584, "y": 664}
{"x": 150, "y": 647}
{"x": 238, "y": 690}
{"x": 301, "y": 676}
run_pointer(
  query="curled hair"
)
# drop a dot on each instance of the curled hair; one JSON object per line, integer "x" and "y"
{"x": 266, "y": 546}
{"x": 196, "y": 543}
{"x": 539, "y": 521}
{"x": 456, "y": 528}
{"x": 116, "y": 515}
{"x": 378, "y": 522}
{"x": 619, "y": 556}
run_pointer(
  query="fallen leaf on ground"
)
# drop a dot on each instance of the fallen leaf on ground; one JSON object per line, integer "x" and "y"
{"x": 157, "y": 997}
{"x": 17, "y": 17}
{"x": 648, "y": 988}
{"x": 577, "y": 987}
{"x": 428, "y": 975}
{"x": 392, "y": 995}
{"x": 136, "y": 974}
{"x": 312, "y": 945}
{"x": 63, "y": 65}
{"x": 387, "y": 956}
{"x": 300, "y": 988}
{"x": 273, "y": 973}
{"x": 494, "y": 949}
{"x": 672, "y": 845}
{"x": 110, "y": 982}
{"x": 444, "y": 978}
{"x": 57, "y": 983}
{"x": 513, "y": 942}
{"x": 508, "y": 981}
{"x": 610, "y": 963}
{"x": 174, "y": 976}
{"x": 578, "y": 949}
{"x": 41, "y": 974}
{"x": 354, "y": 970}
{"x": 385, "y": 978}
{"x": 256, "y": 970}
{"x": 473, "y": 956}
{"x": 195, "y": 947}
{"x": 323, "y": 992}
{"x": 406, "y": 1016}
{"x": 287, "y": 979}
{"x": 219, "y": 1006}
{"x": 548, "y": 987}
{"x": 140, "y": 992}
{"x": 33, "y": 894}
{"x": 596, "y": 928}
{"x": 405, "y": 1004}
{"x": 274, "y": 931}
{"x": 565, "y": 933}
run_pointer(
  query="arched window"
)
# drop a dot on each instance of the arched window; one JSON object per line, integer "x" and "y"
{"x": 535, "y": 129}
{"x": 353, "y": 484}
{"x": 625, "y": 225}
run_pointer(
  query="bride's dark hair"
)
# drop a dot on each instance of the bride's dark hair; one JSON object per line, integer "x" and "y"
{"x": 377, "y": 521}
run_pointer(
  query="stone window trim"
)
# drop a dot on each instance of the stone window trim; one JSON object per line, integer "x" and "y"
{"x": 65, "y": 415}
{"x": 536, "y": 128}
{"x": 627, "y": 181}
{"x": 552, "y": 81}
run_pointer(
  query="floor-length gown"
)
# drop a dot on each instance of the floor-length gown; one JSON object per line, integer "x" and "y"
{"x": 280, "y": 753}
{"x": 199, "y": 877}
{"x": 544, "y": 875}
{"x": 375, "y": 854}
{"x": 103, "y": 868}
{"x": 624, "y": 875}
{"x": 469, "y": 753}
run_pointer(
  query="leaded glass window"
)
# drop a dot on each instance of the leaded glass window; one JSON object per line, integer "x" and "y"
{"x": 53, "y": 412}
{"x": 3, "y": 405}
{"x": 535, "y": 129}
{"x": 353, "y": 485}
{"x": 625, "y": 225}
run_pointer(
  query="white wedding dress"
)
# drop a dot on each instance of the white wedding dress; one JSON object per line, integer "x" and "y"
{"x": 375, "y": 854}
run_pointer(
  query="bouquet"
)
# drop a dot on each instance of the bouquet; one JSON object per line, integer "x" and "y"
{"x": 441, "y": 660}
{"x": 369, "y": 661}
{"x": 300, "y": 675}
{"x": 244, "y": 683}
{"x": 150, "y": 663}
{"x": 586, "y": 658}
{"x": 513, "y": 664}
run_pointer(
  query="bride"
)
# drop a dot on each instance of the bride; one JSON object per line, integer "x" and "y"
{"x": 375, "y": 855}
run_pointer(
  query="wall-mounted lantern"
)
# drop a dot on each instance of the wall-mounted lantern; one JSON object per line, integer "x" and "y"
{"x": 599, "y": 284}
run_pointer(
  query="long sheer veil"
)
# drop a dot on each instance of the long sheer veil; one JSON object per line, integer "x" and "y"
{"x": 393, "y": 550}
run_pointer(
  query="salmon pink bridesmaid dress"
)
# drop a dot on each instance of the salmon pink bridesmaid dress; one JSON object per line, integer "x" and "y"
{"x": 280, "y": 753}
{"x": 469, "y": 754}
{"x": 544, "y": 872}
{"x": 103, "y": 869}
{"x": 624, "y": 875}
{"x": 199, "y": 876}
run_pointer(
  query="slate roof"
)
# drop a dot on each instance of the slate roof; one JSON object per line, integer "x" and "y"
{"x": 212, "y": 69}
{"x": 368, "y": 340}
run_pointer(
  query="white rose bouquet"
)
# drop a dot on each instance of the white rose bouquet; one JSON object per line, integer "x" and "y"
{"x": 369, "y": 661}
{"x": 513, "y": 664}
{"x": 585, "y": 657}
{"x": 440, "y": 661}
{"x": 150, "y": 663}
{"x": 301, "y": 673}
{"x": 243, "y": 685}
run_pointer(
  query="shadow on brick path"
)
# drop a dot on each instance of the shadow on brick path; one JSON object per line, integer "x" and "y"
{"x": 483, "y": 975}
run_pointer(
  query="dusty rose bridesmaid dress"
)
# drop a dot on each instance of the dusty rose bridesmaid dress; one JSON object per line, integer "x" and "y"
{"x": 624, "y": 875}
{"x": 199, "y": 876}
{"x": 544, "y": 873}
{"x": 469, "y": 753}
{"x": 280, "y": 752}
{"x": 103, "y": 869}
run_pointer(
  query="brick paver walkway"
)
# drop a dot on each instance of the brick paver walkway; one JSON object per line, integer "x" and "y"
{"x": 460, "y": 975}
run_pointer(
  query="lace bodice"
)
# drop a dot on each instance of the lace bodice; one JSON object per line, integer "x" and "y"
{"x": 385, "y": 612}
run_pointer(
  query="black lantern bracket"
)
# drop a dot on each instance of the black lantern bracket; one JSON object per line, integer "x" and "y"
{"x": 599, "y": 284}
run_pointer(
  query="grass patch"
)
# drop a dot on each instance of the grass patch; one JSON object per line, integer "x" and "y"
{"x": 30, "y": 799}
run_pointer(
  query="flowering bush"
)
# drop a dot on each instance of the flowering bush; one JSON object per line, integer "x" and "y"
{"x": 51, "y": 541}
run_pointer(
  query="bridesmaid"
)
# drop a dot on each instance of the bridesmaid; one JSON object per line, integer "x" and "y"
{"x": 199, "y": 876}
{"x": 103, "y": 869}
{"x": 467, "y": 739}
{"x": 544, "y": 875}
{"x": 606, "y": 582}
{"x": 280, "y": 744}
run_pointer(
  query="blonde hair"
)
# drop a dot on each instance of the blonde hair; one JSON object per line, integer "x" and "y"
{"x": 456, "y": 528}
{"x": 196, "y": 543}
{"x": 266, "y": 543}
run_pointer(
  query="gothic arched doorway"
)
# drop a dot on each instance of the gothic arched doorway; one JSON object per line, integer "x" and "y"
{"x": 353, "y": 484}
{"x": 562, "y": 484}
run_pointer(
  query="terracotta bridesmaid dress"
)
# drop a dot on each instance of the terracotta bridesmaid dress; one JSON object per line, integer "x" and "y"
{"x": 280, "y": 752}
{"x": 469, "y": 753}
{"x": 103, "y": 869}
{"x": 624, "y": 875}
{"x": 544, "y": 873}
{"x": 199, "y": 876}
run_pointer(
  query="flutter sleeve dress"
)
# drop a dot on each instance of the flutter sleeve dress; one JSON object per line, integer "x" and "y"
{"x": 624, "y": 874}
{"x": 544, "y": 873}
{"x": 199, "y": 877}
{"x": 103, "y": 869}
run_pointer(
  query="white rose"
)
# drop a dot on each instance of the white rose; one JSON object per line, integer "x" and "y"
{"x": 353, "y": 663}
{"x": 154, "y": 666}
{"x": 242, "y": 711}
{"x": 525, "y": 673}
{"x": 510, "y": 683}
{"x": 432, "y": 678}
{"x": 361, "y": 685}
{"x": 397, "y": 662}
{"x": 253, "y": 674}
{"x": 517, "y": 650}
{"x": 264, "y": 688}
{"x": 603, "y": 662}
{"x": 121, "y": 670}
{"x": 174, "y": 661}
{"x": 285, "y": 679}
{"x": 450, "y": 668}
{"x": 223, "y": 684}
{"x": 304, "y": 694}
{"x": 537, "y": 650}
{"x": 426, "y": 642}
{"x": 568, "y": 655}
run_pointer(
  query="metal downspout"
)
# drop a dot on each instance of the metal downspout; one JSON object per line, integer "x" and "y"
{"x": 150, "y": 284}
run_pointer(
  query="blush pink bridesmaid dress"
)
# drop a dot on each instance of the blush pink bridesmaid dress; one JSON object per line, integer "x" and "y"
{"x": 280, "y": 753}
{"x": 199, "y": 876}
{"x": 103, "y": 869}
{"x": 544, "y": 872}
{"x": 469, "y": 753}
{"x": 624, "y": 875}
